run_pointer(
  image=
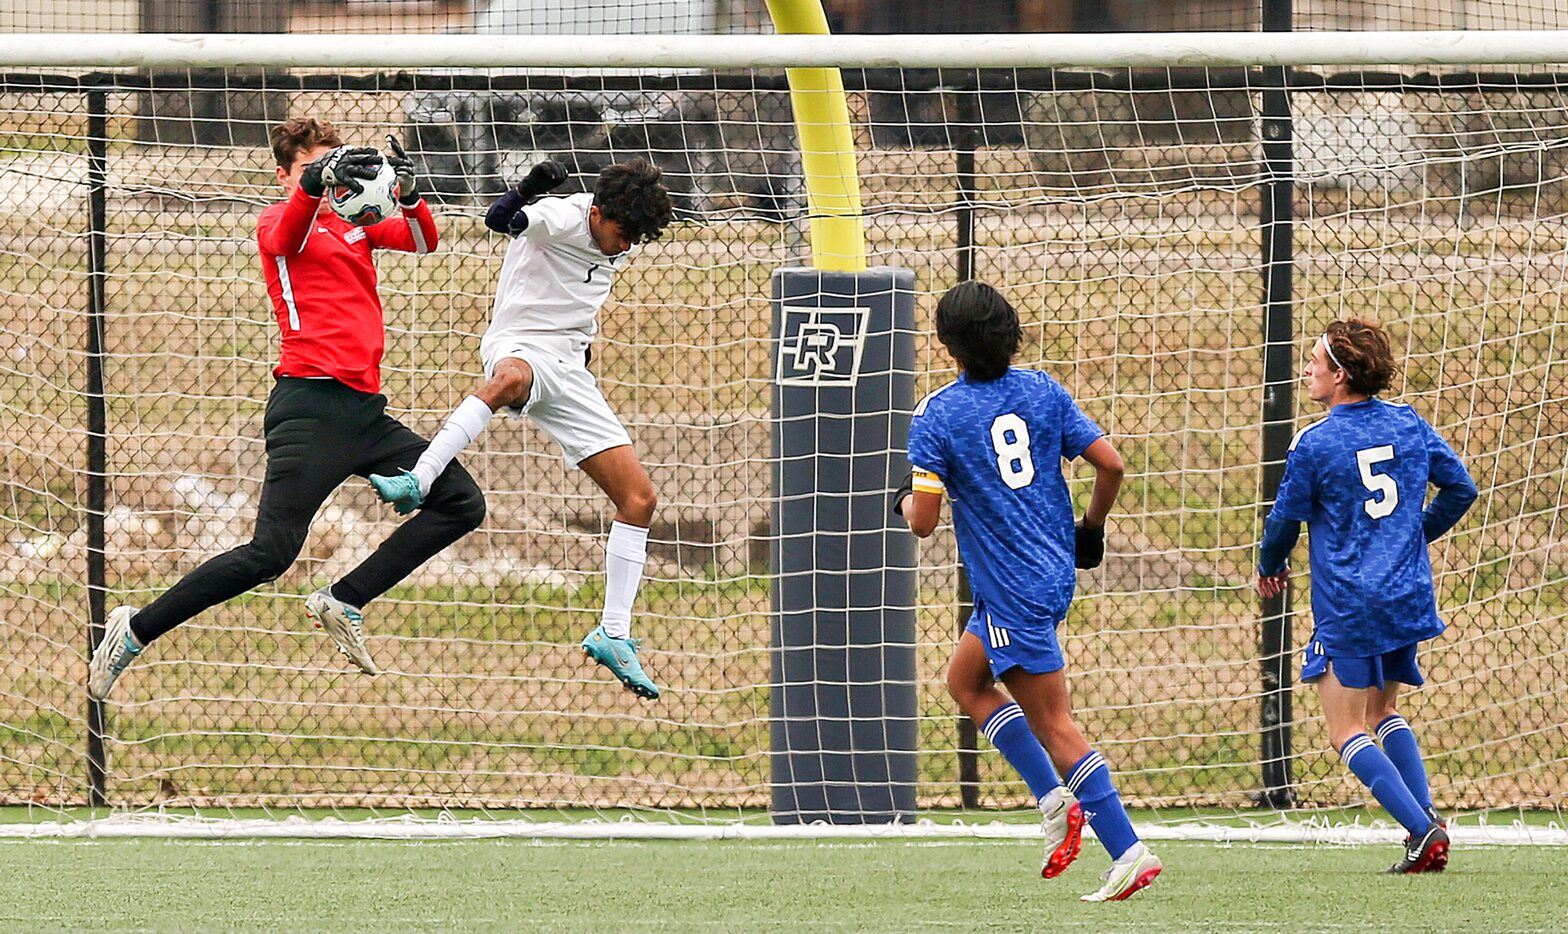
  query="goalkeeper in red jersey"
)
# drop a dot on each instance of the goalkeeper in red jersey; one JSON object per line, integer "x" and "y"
{"x": 326, "y": 418}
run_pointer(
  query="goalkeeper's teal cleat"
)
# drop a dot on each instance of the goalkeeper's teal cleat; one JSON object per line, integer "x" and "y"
{"x": 114, "y": 653}
{"x": 620, "y": 656}
{"x": 402, "y": 491}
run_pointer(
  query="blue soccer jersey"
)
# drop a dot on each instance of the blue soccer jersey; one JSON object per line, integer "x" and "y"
{"x": 1359, "y": 479}
{"x": 996, "y": 448}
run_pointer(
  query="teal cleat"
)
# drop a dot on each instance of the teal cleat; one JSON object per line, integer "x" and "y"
{"x": 620, "y": 656}
{"x": 402, "y": 491}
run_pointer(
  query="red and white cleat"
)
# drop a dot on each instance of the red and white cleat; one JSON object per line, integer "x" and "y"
{"x": 1135, "y": 870}
{"x": 1062, "y": 826}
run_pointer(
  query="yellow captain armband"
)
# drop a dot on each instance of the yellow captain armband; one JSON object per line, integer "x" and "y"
{"x": 927, "y": 482}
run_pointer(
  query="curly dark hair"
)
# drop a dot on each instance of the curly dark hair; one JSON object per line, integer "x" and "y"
{"x": 980, "y": 328}
{"x": 631, "y": 194}
{"x": 300, "y": 134}
{"x": 1365, "y": 352}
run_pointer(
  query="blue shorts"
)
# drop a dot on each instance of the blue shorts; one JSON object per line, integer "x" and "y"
{"x": 1032, "y": 648}
{"x": 1398, "y": 665}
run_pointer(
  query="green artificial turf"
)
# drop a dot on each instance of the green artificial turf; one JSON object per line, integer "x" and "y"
{"x": 503, "y": 885}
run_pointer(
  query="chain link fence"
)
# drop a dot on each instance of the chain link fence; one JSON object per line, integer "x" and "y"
{"x": 1119, "y": 212}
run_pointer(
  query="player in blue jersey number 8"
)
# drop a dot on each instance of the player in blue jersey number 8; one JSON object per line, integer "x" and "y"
{"x": 1358, "y": 478}
{"x": 994, "y": 441}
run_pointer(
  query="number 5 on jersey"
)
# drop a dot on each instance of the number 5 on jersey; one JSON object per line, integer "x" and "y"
{"x": 1010, "y": 441}
{"x": 1386, "y": 499}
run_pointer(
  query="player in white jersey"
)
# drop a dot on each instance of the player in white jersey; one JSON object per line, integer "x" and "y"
{"x": 555, "y": 278}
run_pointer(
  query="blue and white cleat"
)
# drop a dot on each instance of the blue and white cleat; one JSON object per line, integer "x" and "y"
{"x": 345, "y": 624}
{"x": 402, "y": 491}
{"x": 620, "y": 656}
{"x": 114, "y": 653}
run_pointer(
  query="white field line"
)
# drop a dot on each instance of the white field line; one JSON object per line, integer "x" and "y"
{"x": 412, "y": 828}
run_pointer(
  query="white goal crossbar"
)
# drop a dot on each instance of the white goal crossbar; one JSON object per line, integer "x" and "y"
{"x": 1101, "y": 50}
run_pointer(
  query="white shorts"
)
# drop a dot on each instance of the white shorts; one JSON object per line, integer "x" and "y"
{"x": 565, "y": 400}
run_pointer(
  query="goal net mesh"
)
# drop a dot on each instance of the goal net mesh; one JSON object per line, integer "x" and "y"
{"x": 1118, "y": 210}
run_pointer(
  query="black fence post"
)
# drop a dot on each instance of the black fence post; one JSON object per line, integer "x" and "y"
{"x": 97, "y": 417}
{"x": 964, "y": 170}
{"x": 1278, "y": 219}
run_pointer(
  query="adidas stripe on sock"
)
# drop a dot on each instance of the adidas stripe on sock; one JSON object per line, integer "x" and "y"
{"x": 1008, "y": 730}
{"x": 1090, "y": 782}
{"x": 1377, "y": 772}
{"x": 1399, "y": 744}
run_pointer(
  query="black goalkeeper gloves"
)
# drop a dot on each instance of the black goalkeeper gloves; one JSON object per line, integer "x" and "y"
{"x": 1088, "y": 545}
{"x": 407, "y": 184}
{"x": 342, "y": 166}
{"x": 546, "y": 176}
{"x": 347, "y": 165}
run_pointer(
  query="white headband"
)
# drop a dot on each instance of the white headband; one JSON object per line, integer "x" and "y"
{"x": 1329, "y": 349}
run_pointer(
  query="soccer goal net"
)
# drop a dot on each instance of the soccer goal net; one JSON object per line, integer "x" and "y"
{"x": 1147, "y": 203}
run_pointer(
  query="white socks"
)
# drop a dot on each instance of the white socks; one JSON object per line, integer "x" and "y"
{"x": 465, "y": 424}
{"x": 624, "y": 555}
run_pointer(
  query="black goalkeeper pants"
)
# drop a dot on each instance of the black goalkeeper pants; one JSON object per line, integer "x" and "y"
{"x": 319, "y": 433}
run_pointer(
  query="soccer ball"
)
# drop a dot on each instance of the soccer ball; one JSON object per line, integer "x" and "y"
{"x": 372, "y": 205}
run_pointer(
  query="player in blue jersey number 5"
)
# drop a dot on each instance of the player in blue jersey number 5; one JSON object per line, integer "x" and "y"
{"x": 993, "y": 441}
{"x": 1358, "y": 478}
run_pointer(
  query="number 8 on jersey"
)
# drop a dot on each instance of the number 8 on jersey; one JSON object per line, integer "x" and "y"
{"x": 1010, "y": 440}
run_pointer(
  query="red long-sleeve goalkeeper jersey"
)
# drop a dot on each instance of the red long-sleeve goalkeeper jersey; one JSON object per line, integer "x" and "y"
{"x": 322, "y": 282}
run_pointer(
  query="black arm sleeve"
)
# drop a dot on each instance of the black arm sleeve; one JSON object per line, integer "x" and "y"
{"x": 506, "y": 215}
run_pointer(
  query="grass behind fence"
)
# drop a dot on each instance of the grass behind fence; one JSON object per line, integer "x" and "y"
{"x": 1145, "y": 308}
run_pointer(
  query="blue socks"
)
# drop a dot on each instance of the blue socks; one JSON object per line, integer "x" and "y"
{"x": 1377, "y": 772}
{"x": 1089, "y": 779}
{"x": 1399, "y": 744}
{"x": 1009, "y": 732}
{"x": 1090, "y": 782}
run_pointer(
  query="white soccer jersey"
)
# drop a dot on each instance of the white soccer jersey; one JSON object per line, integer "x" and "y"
{"x": 554, "y": 279}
